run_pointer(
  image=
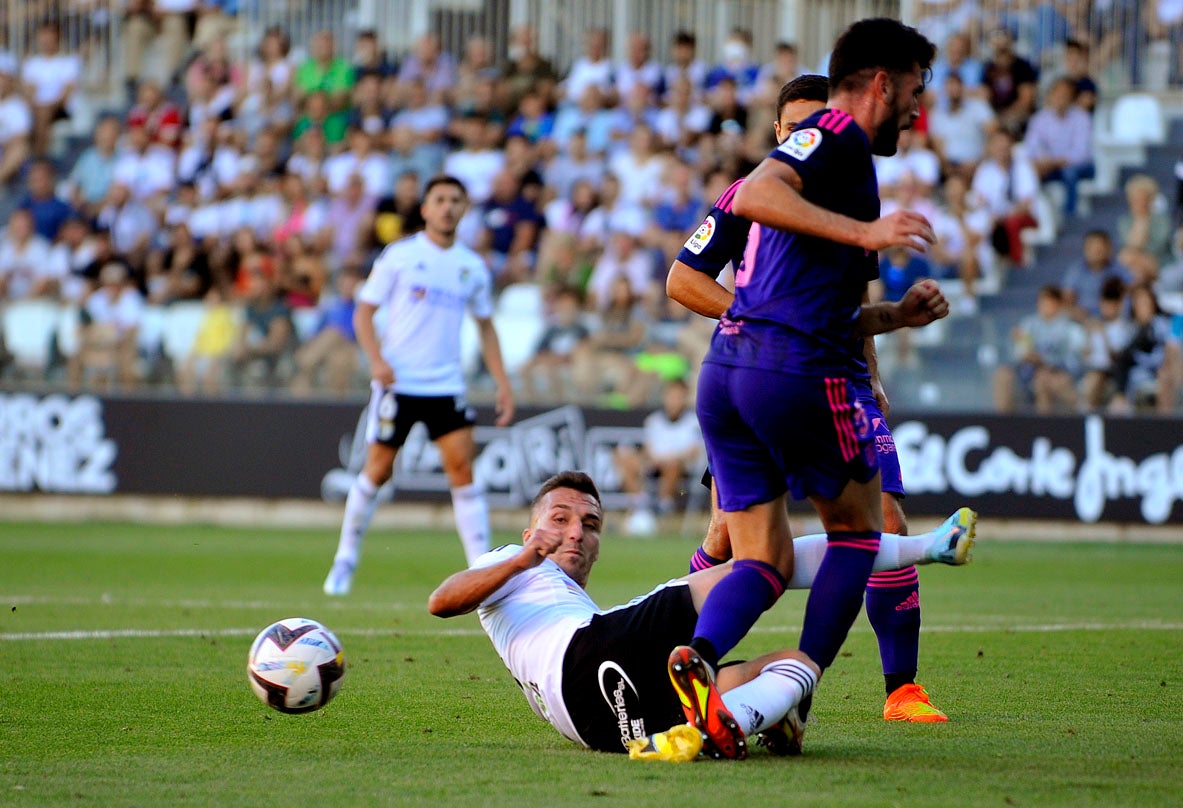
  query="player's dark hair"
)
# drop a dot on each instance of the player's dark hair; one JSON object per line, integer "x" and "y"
{"x": 803, "y": 88}
{"x": 575, "y": 480}
{"x": 879, "y": 43}
{"x": 444, "y": 179}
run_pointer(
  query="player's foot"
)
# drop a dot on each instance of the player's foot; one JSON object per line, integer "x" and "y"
{"x": 954, "y": 538}
{"x": 703, "y": 705}
{"x": 340, "y": 578}
{"x": 910, "y": 703}
{"x": 786, "y": 736}
{"x": 678, "y": 744}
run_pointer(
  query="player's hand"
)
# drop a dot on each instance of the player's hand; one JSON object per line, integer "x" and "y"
{"x": 382, "y": 372}
{"x": 923, "y": 303}
{"x": 543, "y": 541}
{"x": 900, "y": 229}
{"x": 880, "y": 395}
{"x": 504, "y": 406}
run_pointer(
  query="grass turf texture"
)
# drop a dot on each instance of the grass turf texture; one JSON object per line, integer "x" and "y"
{"x": 1060, "y": 665}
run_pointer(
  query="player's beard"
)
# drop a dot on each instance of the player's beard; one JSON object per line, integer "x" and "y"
{"x": 887, "y": 138}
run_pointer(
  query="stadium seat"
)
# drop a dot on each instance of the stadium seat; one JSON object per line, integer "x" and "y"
{"x": 69, "y": 334}
{"x": 521, "y": 300}
{"x": 151, "y": 330}
{"x": 29, "y": 326}
{"x": 182, "y": 321}
{"x": 1135, "y": 122}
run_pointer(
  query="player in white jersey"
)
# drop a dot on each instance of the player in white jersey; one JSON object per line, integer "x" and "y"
{"x": 599, "y": 676}
{"x": 428, "y": 283}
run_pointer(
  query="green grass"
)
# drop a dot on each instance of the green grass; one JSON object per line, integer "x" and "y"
{"x": 1090, "y": 713}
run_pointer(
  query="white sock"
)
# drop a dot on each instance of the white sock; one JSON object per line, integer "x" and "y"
{"x": 472, "y": 520}
{"x": 360, "y": 505}
{"x": 895, "y": 552}
{"x": 762, "y": 702}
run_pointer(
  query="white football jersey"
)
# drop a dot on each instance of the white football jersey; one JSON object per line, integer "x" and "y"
{"x": 426, "y": 291}
{"x": 531, "y": 620}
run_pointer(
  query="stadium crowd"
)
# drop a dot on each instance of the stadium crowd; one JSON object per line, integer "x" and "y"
{"x": 212, "y": 232}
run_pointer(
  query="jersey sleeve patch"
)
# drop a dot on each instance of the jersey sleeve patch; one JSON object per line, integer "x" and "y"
{"x": 701, "y": 237}
{"x": 802, "y": 143}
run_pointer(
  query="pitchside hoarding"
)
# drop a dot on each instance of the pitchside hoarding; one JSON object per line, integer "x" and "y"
{"x": 1087, "y": 468}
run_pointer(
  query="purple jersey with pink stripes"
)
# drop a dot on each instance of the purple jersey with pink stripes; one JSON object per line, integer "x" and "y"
{"x": 797, "y": 297}
{"x": 719, "y": 240}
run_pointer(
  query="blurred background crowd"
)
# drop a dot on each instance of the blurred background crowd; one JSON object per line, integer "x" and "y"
{"x": 191, "y": 193}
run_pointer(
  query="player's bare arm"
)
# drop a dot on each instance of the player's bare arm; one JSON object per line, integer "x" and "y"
{"x": 922, "y": 304}
{"x": 463, "y": 591}
{"x": 491, "y": 353}
{"x": 367, "y": 338}
{"x": 697, "y": 291}
{"x": 771, "y": 195}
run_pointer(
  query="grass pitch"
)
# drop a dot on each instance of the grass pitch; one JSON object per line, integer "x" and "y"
{"x": 123, "y": 650}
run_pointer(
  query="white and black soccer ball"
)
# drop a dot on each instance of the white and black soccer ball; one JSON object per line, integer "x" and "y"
{"x": 296, "y": 665}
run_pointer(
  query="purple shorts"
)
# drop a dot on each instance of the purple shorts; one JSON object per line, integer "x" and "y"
{"x": 891, "y": 480}
{"x": 768, "y": 432}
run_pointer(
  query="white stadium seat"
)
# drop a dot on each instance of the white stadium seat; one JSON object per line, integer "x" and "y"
{"x": 182, "y": 321}
{"x": 29, "y": 326}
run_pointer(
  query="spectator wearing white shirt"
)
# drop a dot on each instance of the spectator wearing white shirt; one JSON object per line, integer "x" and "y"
{"x": 75, "y": 250}
{"x": 959, "y": 127}
{"x": 16, "y": 126}
{"x": 148, "y": 169}
{"x": 113, "y": 314}
{"x": 912, "y": 157}
{"x": 639, "y": 68}
{"x": 623, "y": 258}
{"x": 684, "y": 64}
{"x": 25, "y": 267}
{"x": 610, "y": 216}
{"x": 639, "y": 169}
{"x": 1007, "y": 185}
{"x": 1059, "y": 141}
{"x": 50, "y": 78}
{"x": 361, "y": 159}
{"x": 682, "y": 119}
{"x": 422, "y": 115}
{"x": 576, "y": 165}
{"x": 478, "y": 161}
{"x": 961, "y": 227}
{"x": 593, "y": 69}
{"x": 783, "y": 68}
{"x": 130, "y": 223}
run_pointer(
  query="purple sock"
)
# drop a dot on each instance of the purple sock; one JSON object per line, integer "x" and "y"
{"x": 735, "y": 604}
{"x": 893, "y": 608}
{"x": 701, "y": 561}
{"x": 837, "y": 593}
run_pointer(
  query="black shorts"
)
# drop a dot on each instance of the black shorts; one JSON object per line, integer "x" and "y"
{"x": 391, "y": 415}
{"x": 616, "y": 683}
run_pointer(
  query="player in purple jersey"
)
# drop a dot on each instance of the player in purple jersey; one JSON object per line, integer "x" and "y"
{"x": 893, "y": 598}
{"x": 776, "y": 398}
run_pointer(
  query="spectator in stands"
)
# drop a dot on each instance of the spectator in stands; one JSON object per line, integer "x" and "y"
{"x": 546, "y": 377}
{"x": 527, "y": 70}
{"x": 478, "y": 160}
{"x": 158, "y": 116}
{"x": 685, "y": 65}
{"x": 25, "y": 266}
{"x": 352, "y": 215}
{"x": 50, "y": 78}
{"x": 42, "y": 202}
{"x": 1007, "y": 185}
{"x": 737, "y": 65}
{"x": 179, "y": 272}
{"x": 959, "y": 127}
{"x": 204, "y": 369}
{"x": 682, "y": 119}
{"x": 533, "y": 120}
{"x": 397, "y": 215}
{"x": 783, "y": 68}
{"x": 408, "y": 155}
{"x": 266, "y": 335}
{"x": 137, "y": 33}
{"x": 1076, "y": 68}
{"x": 422, "y": 113}
{"x": 606, "y": 361}
{"x": 639, "y": 68}
{"x": 131, "y": 224}
{"x": 325, "y": 74}
{"x": 592, "y": 69}
{"x": 1143, "y": 371}
{"x": 16, "y": 127}
{"x": 955, "y": 59}
{"x": 328, "y": 360}
{"x": 914, "y": 159}
{"x": 671, "y": 450}
{"x": 93, "y": 173}
{"x": 107, "y": 343}
{"x": 730, "y": 115}
{"x": 1108, "y": 334}
{"x": 1059, "y": 141}
{"x": 961, "y": 228}
{"x": 678, "y": 212}
{"x": 429, "y": 64}
{"x": 1010, "y": 83}
{"x": 475, "y": 71}
{"x": 610, "y": 216}
{"x": 1144, "y": 230}
{"x": 1085, "y": 280}
{"x": 369, "y": 58}
{"x": 572, "y": 166}
{"x": 361, "y": 159}
{"x": 510, "y": 230}
{"x": 640, "y": 169}
{"x": 1048, "y": 347}
{"x": 147, "y": 169}
{"x": 316, "y": 116}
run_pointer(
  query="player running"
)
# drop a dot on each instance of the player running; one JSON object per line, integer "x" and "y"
{"x": 599, "y": 676}
{"x": 776, "y": 402}
{"x": 893, "y": 598}
{"x": 427, "y": 282}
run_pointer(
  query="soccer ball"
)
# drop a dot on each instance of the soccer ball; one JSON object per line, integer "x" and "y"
{"x": 296, "y": 665}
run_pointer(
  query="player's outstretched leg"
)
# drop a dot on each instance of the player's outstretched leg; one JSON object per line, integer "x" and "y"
{"x": 954, "y": 539}
{"x": 703, "y": 704}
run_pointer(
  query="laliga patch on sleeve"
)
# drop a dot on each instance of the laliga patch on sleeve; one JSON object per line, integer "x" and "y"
{"x": 802, "y": 143}
{"x": 702, "y": 236}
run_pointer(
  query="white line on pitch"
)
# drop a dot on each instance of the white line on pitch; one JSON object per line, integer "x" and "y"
{"x": 132, "y": 633}
{"x": 112, "y": 600}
